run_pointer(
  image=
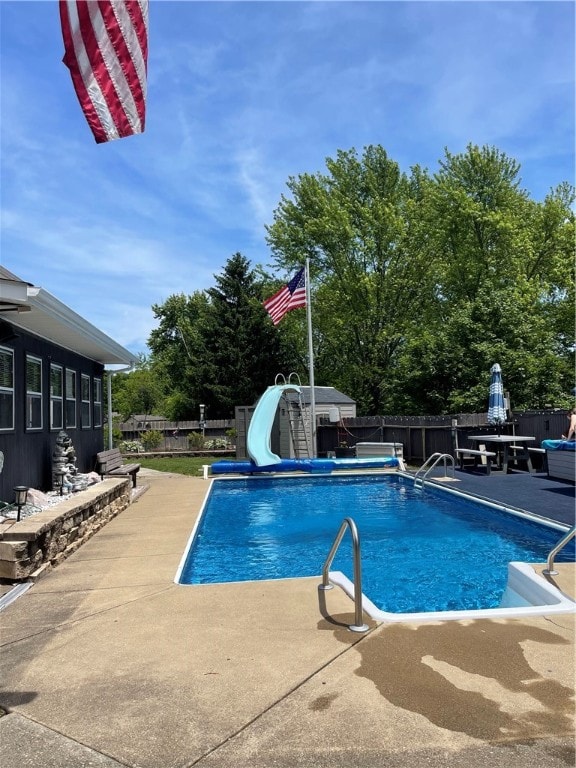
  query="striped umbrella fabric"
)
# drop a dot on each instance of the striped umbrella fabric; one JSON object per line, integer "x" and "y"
{"x": 496, "y": 406}
{"x": 106, "y": 51}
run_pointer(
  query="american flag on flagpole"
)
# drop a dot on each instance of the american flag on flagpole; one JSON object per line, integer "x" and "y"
{"x": 106, "y": 51}
{"x": 292, "y": 296}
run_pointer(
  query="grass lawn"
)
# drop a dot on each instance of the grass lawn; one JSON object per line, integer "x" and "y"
{"x": 181, "y": 465}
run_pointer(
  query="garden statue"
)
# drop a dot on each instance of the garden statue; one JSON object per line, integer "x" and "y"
{"x": 64, "y": 469}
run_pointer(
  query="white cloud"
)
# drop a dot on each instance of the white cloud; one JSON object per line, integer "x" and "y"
{"x": 240, "y": 97}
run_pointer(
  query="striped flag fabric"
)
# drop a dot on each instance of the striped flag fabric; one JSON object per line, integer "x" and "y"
{"x": 106, "y": 51}
{"x": 292, "y": 296}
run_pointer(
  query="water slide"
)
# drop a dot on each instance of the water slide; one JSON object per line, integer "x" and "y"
{"x": 261, "y": 423}
{"x": 262, "y": 459}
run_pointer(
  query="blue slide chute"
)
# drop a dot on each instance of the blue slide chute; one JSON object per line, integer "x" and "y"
{"x": 261, "y": 423}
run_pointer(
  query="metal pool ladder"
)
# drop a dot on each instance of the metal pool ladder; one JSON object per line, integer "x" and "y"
{"x": 549, "y": 570}
{"x": 428, "y": 466}
{"x": 358, "y": 625}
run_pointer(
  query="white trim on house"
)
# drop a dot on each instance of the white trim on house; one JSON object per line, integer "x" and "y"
{"x": 36, "y": 311}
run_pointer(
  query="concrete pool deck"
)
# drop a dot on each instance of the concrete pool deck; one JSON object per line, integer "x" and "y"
{"x": 106, "y": 662}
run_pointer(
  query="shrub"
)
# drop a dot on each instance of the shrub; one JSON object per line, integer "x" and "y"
{"x": 216, "y": 443}
{"x": 152, "y": 438}
{"x": 195, "y": 440}
{"x": 130, "y": 446}
{"x": 116, "y": 436}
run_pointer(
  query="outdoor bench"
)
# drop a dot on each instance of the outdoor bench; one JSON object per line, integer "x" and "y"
{"x": 538, "y": 451}
{"x": 111, "y": 463}
{"x": 541, "y": 452}
{"x": 524, "y": 448}
{"x": 463, "y": 453}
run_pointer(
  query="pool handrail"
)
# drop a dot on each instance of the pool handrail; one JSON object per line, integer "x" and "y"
{"x": 549, "y": 570}
{"x": 359, "y": 625}
{"x": 419, "y": 481}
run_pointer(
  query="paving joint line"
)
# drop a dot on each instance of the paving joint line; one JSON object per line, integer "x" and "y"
{"x": 282, "y": 698}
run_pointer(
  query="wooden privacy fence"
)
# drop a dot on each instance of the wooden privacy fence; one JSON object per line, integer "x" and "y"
{"x": 174, "y": 433}
{"x": 421, "y": 436}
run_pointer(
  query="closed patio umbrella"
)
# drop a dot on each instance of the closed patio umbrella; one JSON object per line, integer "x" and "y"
{"x": 496, "y": 406}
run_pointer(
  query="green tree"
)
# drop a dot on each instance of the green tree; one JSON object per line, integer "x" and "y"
{"x": 504, "y": 281}
{"x": 243, "y": 349}
{"x": 138, "y": 392}
{"x": 218, "y": 347}
{"x": 178, "y": 352}
{"x": 421, "y": 283}
{"x": 358, "y": 225}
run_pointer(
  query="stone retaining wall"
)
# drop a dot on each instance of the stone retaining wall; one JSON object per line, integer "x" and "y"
{"x": 38, "y": 543}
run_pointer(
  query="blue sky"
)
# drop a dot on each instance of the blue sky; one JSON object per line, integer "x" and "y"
{"x": 241, "y": 96}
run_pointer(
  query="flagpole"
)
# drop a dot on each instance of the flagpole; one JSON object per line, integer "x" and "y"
{"x": 310, "y": 361}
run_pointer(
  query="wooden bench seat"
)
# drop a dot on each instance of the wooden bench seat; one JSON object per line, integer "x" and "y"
{"x": 111, "y": 463}
{"x": 525, "y": 448}
{"x": 522, "y": 449}
{"x": 463, "y": 453}
{"x": 540, "y": 452}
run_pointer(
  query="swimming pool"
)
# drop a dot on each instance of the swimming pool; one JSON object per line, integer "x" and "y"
{"x": 423, "y": 551}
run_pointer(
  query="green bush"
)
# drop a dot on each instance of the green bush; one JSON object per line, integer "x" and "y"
{"x": 195, "y": 440}
{"x": 130, "y": 446}
{"x": 216, "y": 443}
{"x": 116, "y": 436}
{"x": 151, "y": 439}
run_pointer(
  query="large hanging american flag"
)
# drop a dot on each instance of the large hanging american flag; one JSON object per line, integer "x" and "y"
{"x": 292, "y": 296}
{"x": 106, "y": 51}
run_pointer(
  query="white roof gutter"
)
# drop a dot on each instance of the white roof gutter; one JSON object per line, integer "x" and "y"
{"x": 36, "y": 311}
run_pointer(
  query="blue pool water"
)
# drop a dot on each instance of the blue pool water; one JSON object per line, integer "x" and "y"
{"x": 421, "y": 550}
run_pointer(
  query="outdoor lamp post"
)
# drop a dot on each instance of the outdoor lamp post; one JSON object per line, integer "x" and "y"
{"x": 20, "y": 495}
{"x": 202, "y": 421}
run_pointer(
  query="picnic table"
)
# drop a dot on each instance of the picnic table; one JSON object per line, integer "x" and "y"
{"x": 510, "y": 448}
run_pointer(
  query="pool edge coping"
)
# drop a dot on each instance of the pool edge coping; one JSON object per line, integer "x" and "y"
{"x": 521, "y": 574}
{"x": 563, "y": 603}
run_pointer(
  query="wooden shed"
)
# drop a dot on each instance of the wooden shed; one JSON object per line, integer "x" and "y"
{"x": 290, "y": 436}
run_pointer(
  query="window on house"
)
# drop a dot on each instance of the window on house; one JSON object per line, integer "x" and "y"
{"x": 33, "y": 392}
{"x": 85, "y": 401}
{"x": 97, "y": 402}
{"x": 70, "y": 399}
{"x": 56, "y": 397}
{"x": 6, "y": 389}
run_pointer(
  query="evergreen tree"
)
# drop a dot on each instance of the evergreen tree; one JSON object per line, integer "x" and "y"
{"x": 218, "y": 347}
{"x": 242, "y": 345}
